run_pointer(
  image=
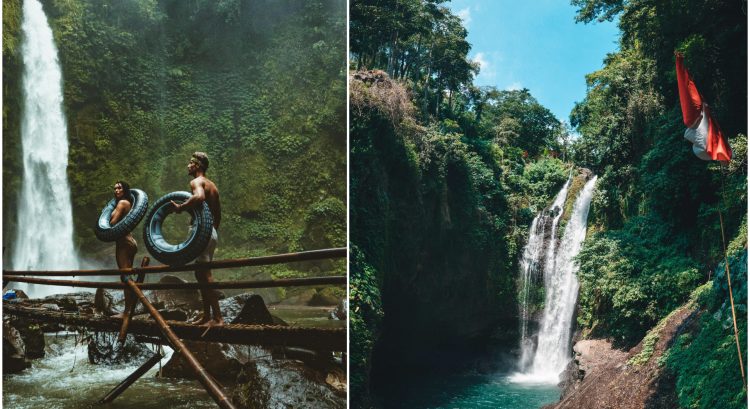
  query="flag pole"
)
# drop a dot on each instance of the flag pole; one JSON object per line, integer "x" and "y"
{"x": 729, "y": 281}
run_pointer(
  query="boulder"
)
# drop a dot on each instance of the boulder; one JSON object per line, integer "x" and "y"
{"x": 104, "y": 349}
{"x": 33, "y": 339}
{"x": 266, "y": 383}
{"x": 327, "y": 296}
{"x": 14, "y": 358}
{"x": 186, "y": 299}
{"x": 222, "y": 361}
{"x": 302, "y": 297}
{"x": 253, "y": 310}
{"x": 247, "y": 308}
{"x": 73, "y": 301}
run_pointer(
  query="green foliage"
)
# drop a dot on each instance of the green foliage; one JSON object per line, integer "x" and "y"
{"x": 259, "y": 86}
{"x": 365, "y": 316}
{"x": 655, "y": 202}
{"x": 545, "y": 177}
{"x": 418, "y": 41}
{"x": 515, "y": 118}
{"x": 631, "y": 278}
{"x": 650, "y": 340}
{"x": 705, "y": 361}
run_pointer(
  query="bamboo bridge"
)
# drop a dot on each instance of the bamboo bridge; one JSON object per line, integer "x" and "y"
{"x": 173, "y": 332}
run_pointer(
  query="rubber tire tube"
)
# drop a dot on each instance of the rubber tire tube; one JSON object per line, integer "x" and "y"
{"x": 105, "y": 232}
{"x": 188, "y": 250}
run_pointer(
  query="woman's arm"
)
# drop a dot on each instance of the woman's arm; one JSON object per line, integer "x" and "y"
{"x": 122, "y": 208}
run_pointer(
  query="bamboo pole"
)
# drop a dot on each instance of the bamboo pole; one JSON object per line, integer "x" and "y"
{"x": 232, "y": 263}
{"x": 179, "y": 347}
{"x": 729, "y": 280}
{"x": 129, "y": 316}
{"x": 731, "y": 300}
{"x": 119, "y": 389}
{"x": 240, "y": 334}
{"x": 288, "y": 282}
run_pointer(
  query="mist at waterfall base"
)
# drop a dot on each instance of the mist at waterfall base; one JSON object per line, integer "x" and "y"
{"x": 44, "y": 240}
{"x": 543, "y": 362}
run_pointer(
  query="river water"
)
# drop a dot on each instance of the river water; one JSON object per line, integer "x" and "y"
{"x": 479, "y": 391}
{"x": 64, "y": 378}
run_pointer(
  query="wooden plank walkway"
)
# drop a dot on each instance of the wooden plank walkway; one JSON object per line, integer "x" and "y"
{"x": 329, "y": 339}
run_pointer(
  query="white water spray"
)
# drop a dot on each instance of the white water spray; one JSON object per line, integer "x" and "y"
{"x": 44, "y": 240}
{"x": 552, "y": 352}
{"x": 532, "y": 260}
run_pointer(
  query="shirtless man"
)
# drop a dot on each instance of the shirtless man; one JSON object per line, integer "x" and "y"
{"x": 205, "y": 190}
{"x": 125, "y": 247}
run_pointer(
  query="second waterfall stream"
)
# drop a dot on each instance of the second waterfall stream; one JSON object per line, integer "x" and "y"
{"x": 546, "y": 352}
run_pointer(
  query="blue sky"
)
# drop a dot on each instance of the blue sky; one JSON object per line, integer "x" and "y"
{"x": 535, "y": 44}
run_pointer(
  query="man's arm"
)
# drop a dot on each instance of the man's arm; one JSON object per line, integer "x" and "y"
{"x": 122, "y": 208}
{"x": 198, "y": 197}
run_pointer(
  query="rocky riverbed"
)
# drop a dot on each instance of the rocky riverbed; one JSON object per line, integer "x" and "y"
{"x": 254, "y": 377}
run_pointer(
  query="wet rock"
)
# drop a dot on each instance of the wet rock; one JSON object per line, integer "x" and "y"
{"x": 571, "y": 377}
{"x": 222, "y": 361}
{"x": 327, "y": 296}
{"x": 270, "y": 295}
{"x": 111, "y": 302}
{"x": 33, "y": 338}
{"x": 104, "y": 302}
{"x": 187, "y": 299}
{"x": 72, "y": 302}
{"x": 253, "y": 310}
{"x": 14, "y": 359}
{"x": 321, "y": 361}
{"x": 265, "y": 383}
{"x": 301, "y": 298}
{"x": 247, "y": 308}
{"x": 341, "y": 311}
{"x": 103, "y": 349}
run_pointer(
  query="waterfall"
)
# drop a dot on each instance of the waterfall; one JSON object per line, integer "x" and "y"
{"x": 532, "y": 260}
{"x": 44, "y": 240}
{"x": 552, "y": 352}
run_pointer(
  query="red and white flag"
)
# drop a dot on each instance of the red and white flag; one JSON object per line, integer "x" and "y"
{"x": 703, "y": 131}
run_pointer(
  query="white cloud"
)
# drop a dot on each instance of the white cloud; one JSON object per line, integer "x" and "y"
{"x": 481, "y": 59}
{"x": 487, "y": 72}
{"x": 516, "y": 86}
{"x": 465, "y": 16}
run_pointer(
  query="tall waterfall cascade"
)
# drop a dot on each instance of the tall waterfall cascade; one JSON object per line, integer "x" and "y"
{"x": 543, "y": 361}
{"x": 44, "y": 239}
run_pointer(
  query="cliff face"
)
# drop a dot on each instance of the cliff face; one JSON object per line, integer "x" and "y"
{"x": 258, "y": 85}
{"x": 688, "y": 360}
{"x": 603, "y": 377}
{"x": 428, "y": 214}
